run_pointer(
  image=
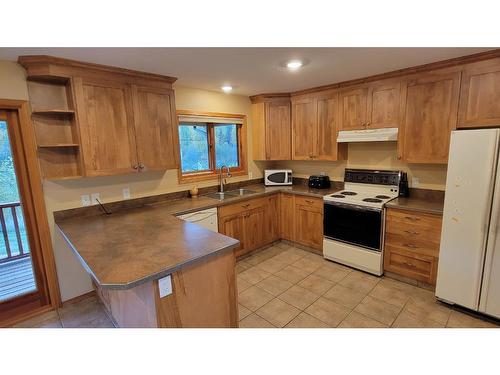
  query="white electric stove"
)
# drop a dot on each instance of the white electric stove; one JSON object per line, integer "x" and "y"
{"x": 354, "y": 218}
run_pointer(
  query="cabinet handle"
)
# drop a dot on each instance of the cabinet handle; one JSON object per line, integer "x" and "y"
{"x": 141, "y": 166}
{"x": 411, "y": 246}
{"x": 308, "y": 201}
{"x": 411, "y": 232}
{"x": 135, "y": 166}
{"x": 245, "y": 205}
{"x": 409, "y": 264}
{"x": 412, "y": 218}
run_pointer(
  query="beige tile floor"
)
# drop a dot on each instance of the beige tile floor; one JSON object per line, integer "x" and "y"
{"x": 284, "y": 286}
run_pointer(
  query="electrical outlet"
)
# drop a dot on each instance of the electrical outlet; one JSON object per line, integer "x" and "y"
{"x": 95, "y": 197}
{"x": 126, "y": 193}
{"x": 415, "y": 182}
{"x": 85, "y": 200}
{"x": 165, "y": 286}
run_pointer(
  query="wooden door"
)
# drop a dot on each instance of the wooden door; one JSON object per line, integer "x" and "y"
{"x": 155, "y": 128}
{"x": 304, "y": 129}
{"x": 233, "y": 226}
{"x": 327, "y": 128}
{"x": 353, "y": 108}
{"x": 309, "y": 222}
{"x": 278, "y": 131}
{"x": 383, "y": 109}
{"x": 287, "y": 214}
{"x": 273, "y": 219}
{"x": 255, "y": 227}
{"x": 106, "y": 127}
{"x": 480, "y": 95}
{"x": 429, "y": 114}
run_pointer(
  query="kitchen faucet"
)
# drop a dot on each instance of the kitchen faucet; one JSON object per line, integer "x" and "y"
{"x": 221, "y": 180}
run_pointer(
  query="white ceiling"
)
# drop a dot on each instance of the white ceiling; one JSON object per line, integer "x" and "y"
{"x": 253, "y": 70}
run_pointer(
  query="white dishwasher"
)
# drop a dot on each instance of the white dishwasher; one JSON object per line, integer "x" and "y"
{"x": 205, "y": 218}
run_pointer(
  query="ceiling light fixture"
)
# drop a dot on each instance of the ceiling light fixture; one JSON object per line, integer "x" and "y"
{"x": 227, "y": 88}
{"x": 294, "y": 64}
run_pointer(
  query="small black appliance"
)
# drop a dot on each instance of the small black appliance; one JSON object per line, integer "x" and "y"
{"x": 319, "y": 182}
{"x": 404, "y": 190}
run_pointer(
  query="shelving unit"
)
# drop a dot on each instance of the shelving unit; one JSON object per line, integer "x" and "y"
{"x": 56, "y": 127}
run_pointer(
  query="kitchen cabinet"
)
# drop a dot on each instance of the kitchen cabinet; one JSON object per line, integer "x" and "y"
{"x": 309, "y": 222}
{"x": 254, "y": 223}
{"x": 155, "y": 126}
{"x": 371, "y": 106}
{"x": 104, "y": 111}
{"x": 271, "y": 128}
{"x": 287, "y": 215}
{"x": 411, "y": 247}
{"x": 429, "y": 114}
{"x": 480, "y": 95}
{"x": 315, "y": 128}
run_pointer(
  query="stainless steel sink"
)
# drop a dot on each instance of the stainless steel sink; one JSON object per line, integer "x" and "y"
{"x": 220, "y": 196}
{"x": 240, "y": 192}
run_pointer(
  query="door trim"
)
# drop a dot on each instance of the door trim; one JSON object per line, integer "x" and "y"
{"x": 30, "y": 183}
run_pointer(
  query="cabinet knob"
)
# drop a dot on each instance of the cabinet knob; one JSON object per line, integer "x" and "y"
{"x": 411, "y": 246}
{"x": 141, "y": 166}
{"x": 136, "y": 166}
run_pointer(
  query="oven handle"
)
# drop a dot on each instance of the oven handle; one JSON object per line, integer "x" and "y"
{"x": 353, "y": 206}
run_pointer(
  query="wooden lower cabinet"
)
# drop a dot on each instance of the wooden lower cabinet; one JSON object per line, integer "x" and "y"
{"x": 287, "y": 215}
{"x": 210, "y": 285}
{"x": 233, "y": 226}
{"x": 411, "y": 246}
{"x": 308, "y": 215}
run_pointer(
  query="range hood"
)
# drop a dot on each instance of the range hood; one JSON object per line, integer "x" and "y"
{"x": 368, "y": 135}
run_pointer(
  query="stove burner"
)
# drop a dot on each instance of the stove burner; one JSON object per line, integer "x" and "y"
{"x": 337, "y": 196}
{"x": 382, "y": 196}
{"x": 372, "y": 200}
{"x": 348, "y": 193}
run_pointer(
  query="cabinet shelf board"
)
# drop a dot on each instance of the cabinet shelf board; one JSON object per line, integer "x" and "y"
{"x": 53, "y": 112}
{"x": 57, "y": 145}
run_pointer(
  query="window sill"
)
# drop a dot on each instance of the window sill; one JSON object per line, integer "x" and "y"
{"x": 206, "y": 176}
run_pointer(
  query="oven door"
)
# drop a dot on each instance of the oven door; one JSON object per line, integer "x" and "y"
{"x": 356, "y": 225}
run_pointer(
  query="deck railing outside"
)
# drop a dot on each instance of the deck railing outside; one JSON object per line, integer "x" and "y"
{"x": 13, "y": 241}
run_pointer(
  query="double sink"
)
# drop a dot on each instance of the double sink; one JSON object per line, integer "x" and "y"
{"x": 230, "y": 194}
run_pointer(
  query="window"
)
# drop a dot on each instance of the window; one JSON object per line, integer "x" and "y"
{"x": 209, "y": 141}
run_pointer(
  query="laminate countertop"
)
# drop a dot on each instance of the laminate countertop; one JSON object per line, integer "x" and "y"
{"x": 417, "y": 204}
{"x": 133, "y": 246}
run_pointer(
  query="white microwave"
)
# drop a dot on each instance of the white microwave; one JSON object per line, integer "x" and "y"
{"x": 277, "y": 177}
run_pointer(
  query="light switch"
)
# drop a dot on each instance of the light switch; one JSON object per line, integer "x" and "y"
{"x": 126, "y": 193}
{"x": 165, "y": 286}
{"x": 85, "y": 200}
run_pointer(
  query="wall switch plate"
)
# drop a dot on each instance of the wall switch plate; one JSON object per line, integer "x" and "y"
{"x": 95, "y": 197}
{"x": 415, "y": 182}
{"x": 165, "y": 286}
{"x": 126, "y": 193}
{"x": 85, "y": 200}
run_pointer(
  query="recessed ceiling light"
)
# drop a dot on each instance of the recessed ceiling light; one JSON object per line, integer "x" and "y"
{"x": 226, "y": 88}
{"x": 294, "y": 64}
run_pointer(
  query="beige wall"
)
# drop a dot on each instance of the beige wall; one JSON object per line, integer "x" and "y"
{"x": 376, "y": 155}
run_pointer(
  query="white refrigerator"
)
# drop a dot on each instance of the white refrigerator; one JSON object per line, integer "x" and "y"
{"x": 469, "y": 258}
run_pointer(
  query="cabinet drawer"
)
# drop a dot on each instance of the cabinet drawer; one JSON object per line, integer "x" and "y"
{"x": 313, "y": 204}
{"x": 414, "y": 244}
{"x": 414, "y": 232}
{"x": 410, "y": 220}
{"x": 236, "y": 208}
{"x": 416, "y": 266}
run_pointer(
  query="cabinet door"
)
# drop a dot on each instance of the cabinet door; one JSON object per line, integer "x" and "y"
{"x": 383, "y": 105}
{"x": 429, "y": 114}
{"x": 303, "y": 129}
{"x": 287, "y": 214}
{"x": 233, "y": 226}
{"x": 155, "y": 128}
{"x": 254, "y": 223}
{"x": 106, "y": 123}
{"x": 480, "y": 95}
{"x": 278, "y": 131}
{"x": 272, "y": 219}
{"x": 353, "y": 110}
{"x": 327, "y": 128}
{"x": 309, "y": 223}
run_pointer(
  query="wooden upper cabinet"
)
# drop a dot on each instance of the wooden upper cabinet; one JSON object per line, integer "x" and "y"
{"x": 354, "y": 108}
{"x": 327, "y": 128}
{"x": 429, "y": 114}
{"x": 480, "y": 95}
{"x": 155, "y": 128}
{"x": 304, "y": 129}
{"x": 271, "y": 129}
{"x": 106, "y": 126}
{"x": 383, "y": 104}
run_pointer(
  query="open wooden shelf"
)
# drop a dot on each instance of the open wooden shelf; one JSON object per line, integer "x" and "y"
{"x": 53, "y": 112}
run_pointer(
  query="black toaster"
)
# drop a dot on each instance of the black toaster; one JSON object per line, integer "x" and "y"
{"x": 319, "y": 182}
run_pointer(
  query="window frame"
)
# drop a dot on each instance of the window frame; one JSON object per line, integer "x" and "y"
{"x": 213, "y": 173}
